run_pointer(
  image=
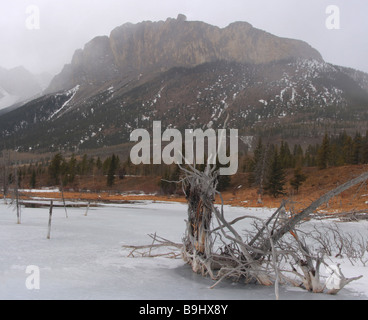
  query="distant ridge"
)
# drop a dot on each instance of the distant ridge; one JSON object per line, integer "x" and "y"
{"x": 152, "y": 47}
{"x": 190, "y": 75}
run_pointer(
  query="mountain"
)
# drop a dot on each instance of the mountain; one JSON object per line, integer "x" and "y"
{"x": 18, "y": 85}
{"x": 190, "y": 75}
{"x": 44, "y": 79}
{"x": 148, "y": 48}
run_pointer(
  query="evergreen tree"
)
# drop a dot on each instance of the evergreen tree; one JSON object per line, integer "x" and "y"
{"x": 357, "y": 155}
{"x": 347, "y": 148}
{"x": 91, "y": 165}
{"x": 323, "y": 157}
{"x": 99, "y": 163}
{"x": 298, "y": 155}
{"x": 258, "y": 166}
{"x": 285, "y": 155}
{"x": 113, "y": 166}
{"x": 298, "y": 179}
{"x": 365, "y": 149}
{"x": 84, "y": 165}
{"x": 276, "y": 176}
{"x": 32, "y": 182}
{"x": 55, "y": 168}
{"x": 106, "y": 165}
{"x": 337, "y": 156}
{"x": 72, "y": 169}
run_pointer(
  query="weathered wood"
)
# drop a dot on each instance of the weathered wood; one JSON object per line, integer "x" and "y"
{"x": 158, "y": 242}
{"x": 89, "y": 203}
{"x": 337, "y": 280}
{"x": 263, "y": 258}
{"x": 30, "y": 204}
{"x": 290, "y": 225}
{"x": 50, "y": 218}
{"x": 63, "y": 198}
{"x": 17, "y": 200}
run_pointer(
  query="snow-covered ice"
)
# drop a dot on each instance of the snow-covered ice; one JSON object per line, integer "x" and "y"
{"x": 84, "y": 257}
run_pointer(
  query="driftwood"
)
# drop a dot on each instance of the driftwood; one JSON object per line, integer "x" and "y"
{"x": 35, "y": 204}
{"x": 337, "y": 280}
{"x": 290, "y": 225}
{"x": 355, "y": 215}
{"x": 15, "y": 199}
{"x": 89, "y": 204}
{"x": 273, "y": 253}
{"x": 62, "y": 196}
{"x": 50, "y": 218}
{"x": 150, "y": 250}
{"x": 268, "y": 243}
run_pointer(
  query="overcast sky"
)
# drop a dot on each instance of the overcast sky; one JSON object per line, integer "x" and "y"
{"x": 66, "y": 25}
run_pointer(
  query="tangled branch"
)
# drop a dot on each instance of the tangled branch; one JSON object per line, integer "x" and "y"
{"x": 273, "y": 253}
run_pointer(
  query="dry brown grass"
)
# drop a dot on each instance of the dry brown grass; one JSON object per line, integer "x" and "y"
{"x": 240, "y": 194}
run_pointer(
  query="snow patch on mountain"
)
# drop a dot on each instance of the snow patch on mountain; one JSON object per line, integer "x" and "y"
{"x": 72, "y": 93}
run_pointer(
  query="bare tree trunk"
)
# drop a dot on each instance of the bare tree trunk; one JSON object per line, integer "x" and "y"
{"x": 263, "y": 174}
{"x": 50, "y": 217}
{"x": 89, "y": 203}
{"x": 16, "y": 194}
{"x": 62, "y": 196}
{"x": 263, "y": 258}
{"x": 238, "y": 257}
{"x": 198, "y": 243}
{"x": 337, "y": 280}
{"x": 200, "y": 190}
{"x": 5, "y": 174}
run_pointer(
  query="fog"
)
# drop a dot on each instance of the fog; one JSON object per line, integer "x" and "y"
{"x": 65, "y": 25}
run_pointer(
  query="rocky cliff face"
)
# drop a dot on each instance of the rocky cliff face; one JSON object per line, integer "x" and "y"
{"x": 152, "y": 47}
{"x": 190, "y": 75}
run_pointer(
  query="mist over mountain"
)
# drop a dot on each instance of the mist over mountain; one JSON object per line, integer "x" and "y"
{"x": 151, "y": 47}
{"x": 190, "y": 75}
{"x": 18, "y": 85}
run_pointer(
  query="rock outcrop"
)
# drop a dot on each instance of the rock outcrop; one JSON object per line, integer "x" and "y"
{"x": 152, "y": 47}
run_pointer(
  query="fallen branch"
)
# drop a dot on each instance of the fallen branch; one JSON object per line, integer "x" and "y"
{"x": 337, "y": 280}
{"x": 290, "y": 225}
{"x": 158, "y": 242}
{"x": 221, "y": 252}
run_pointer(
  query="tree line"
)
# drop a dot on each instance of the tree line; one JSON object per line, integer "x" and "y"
{"x": 269, "y": 162}
{"x": 266, "y": 166}
{"x": 64, "y": 171}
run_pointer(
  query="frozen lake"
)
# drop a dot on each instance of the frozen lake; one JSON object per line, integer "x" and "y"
{"x": 84, "y": 259}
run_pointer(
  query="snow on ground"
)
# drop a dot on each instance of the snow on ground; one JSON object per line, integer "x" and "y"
{"x": 46, "y": 190}
{"x": 84, "y": 260}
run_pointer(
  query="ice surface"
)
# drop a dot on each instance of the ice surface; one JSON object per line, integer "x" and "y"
{"x": 84, "y": 259}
